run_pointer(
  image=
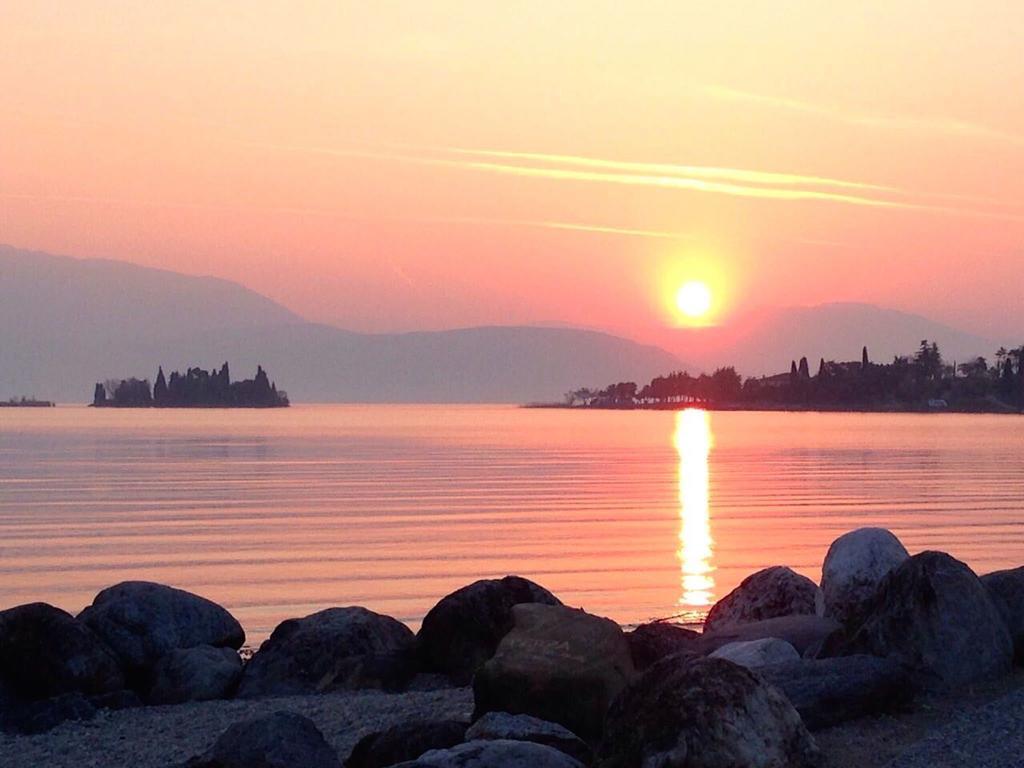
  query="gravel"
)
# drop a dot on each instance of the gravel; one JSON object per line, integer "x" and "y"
{"x": 159, "y": 737}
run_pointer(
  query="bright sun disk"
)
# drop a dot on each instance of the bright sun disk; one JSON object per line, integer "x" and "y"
{"x": 693, "y": 299}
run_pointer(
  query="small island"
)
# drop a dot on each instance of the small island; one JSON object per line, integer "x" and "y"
{"x": 923, "y": 382}
{"x": 26, "y": 402}
{"x": 195, "y": 388}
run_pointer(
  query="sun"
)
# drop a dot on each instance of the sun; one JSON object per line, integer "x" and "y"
{"x": 694, "y": 299}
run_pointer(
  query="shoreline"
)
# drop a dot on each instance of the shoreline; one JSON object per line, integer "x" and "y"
{"x": 776, "y": 408}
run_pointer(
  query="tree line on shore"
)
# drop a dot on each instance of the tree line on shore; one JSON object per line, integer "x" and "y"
{"x": 195, "y": 388}
{"x": 921, "y": 380}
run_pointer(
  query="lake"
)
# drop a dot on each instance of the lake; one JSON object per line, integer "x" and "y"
{"x": 632, "y": 515}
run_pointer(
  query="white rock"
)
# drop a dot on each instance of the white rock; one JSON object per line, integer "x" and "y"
{"x": 854, "y": 566}
{"x": 758, "y": 653}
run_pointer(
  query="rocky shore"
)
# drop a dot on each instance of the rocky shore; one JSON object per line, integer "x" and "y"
{"x": 891, "y": 657}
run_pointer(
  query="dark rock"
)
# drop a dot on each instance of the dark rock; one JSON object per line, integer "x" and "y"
{"x": 704, "y": 713}
{"x": 855, "y": 565}
{"x": 558, "y": 664}
{"x": 280, "y": 740}
{"x": 405, "y": 742}
{"x": 934, "y": 616}
{"x": 116, "y": 700}
{"x": 43, "y": 716}
{"x": 827, "y": 692}
{"x": 463, "y": 630}
{"x": 502, "y": 725}
{"x": 805, "y": 633}
{"x": 767, "y": 594}
{"x": 1007, "y": 591}
{"x": 142, "y": 621}
{"x": 46, "y": 652}
{"x": 336, "y": 649}
{"x": 652, "y": 642}
{"x": 494, "y": 754}
{"x": 753, "y": 654}
{"x": 200, "y": 673}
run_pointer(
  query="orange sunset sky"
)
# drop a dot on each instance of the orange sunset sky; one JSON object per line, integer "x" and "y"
{"x": 392, "y": 166}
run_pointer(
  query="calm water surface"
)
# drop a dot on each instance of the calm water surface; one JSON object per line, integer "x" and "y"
{"x": 632, "y": 515}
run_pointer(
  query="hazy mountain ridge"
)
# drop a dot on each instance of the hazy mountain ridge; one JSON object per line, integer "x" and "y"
{"x": 67, "y": 323}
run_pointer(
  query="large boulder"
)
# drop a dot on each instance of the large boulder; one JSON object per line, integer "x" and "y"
{"x": 934, "y": 616}
{"x": 46, "y": 652}
{"x": 332, "y": 650}
{"x": 463, "y": 630}
{"x": 805, "y": 633}
{"x": 772, "y": 592}
{"x": 502, "y": 725}
{"x": 704, "y": 713}
{"x": 654, "y": 641}
{"x": 280, "y": 740}
{"x": 200, "y": 673}
{"x": 142, "y": 621}
{"x": 558, "y": 664}
{"x": 404, "y": 742}
{"x": 827, "y": 692}
{"x": 855, "y": 565}
{"x": 495, "y": 754}
{"x": 1007, "y": 591}
{"x": 45, "y": 715}
{"x": 757, "y": 653}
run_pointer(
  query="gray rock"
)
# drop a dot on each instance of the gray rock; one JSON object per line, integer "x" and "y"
{"x": 767, "y": 594}
{"x": 827, "y": 692}
{"x": 43, "y": 716}
{"x": 46, "y": 652}
{"x": 804, "y": 632}
{"x": 332, "y": 650}
{"x": 704, "y": 713}
{"x": 280, "y": 740}
{"x": 1007, "y": 591}
{"x": 495, "y": 754}
{"x": 502, "y": 725}
{"x": 115, "y": 700}
{"x": 558, "y": 664}
{"x": 199, "y": 673}
{"x": 463, "y": 630}
{"x": 404, "y": 742}
{"x": 757, "y": 653}
{"x": 855, "y": 565}
{"x": 934, "y": 616}
{"x": 142, "y": 621}
{"x": 654, "y": 641}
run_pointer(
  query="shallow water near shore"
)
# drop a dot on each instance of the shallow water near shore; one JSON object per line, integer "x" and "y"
{"x": 633, "y": 515}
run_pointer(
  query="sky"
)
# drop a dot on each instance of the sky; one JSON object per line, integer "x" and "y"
{"x": 395, "y": 166}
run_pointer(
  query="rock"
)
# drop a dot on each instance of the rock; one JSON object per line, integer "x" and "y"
{"x": 404, "y": 742}
{"x": 116, "y": 700}
{"x": 463, "y": 630}
{"x": 652, "y": 642}
{"x": 494, "y": 754}
{"x": 767, "y": 594}
{"x": 502, "y": 725}
{"x": 558, "y": 664}
{"x": 827, "y": 692}
{"x": 1006, "y": 589}
{"x": 332, "y": 650}
{"x": 704, "y": 713}
{"x": 43, "y": 716}
{"x": 855, "y": 565}
{"x": 200, "y": 673}
{"x": 280, "y": 740}
{"x": 142, "y": 621}
{"x": 46, "y": 652}
{"x": 934, "y": 616}
{"x": 757, "y": 653}
{"x": 805, "y": 633}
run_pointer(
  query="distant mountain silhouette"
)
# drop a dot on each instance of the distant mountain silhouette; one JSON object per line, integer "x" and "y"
{"x": 763, "y": 342}
{"x": 66, "y": 323}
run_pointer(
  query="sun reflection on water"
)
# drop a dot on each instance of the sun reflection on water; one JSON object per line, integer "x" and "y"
{"x": 693, "y": 442}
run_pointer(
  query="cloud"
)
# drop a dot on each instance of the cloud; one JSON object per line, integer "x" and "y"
{"x": 944, "y": 126}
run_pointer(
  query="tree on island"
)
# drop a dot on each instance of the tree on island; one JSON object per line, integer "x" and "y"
{"x": 195, "y": 388}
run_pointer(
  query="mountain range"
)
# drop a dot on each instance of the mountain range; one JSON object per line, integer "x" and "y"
{"x": 66, "y": 323}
